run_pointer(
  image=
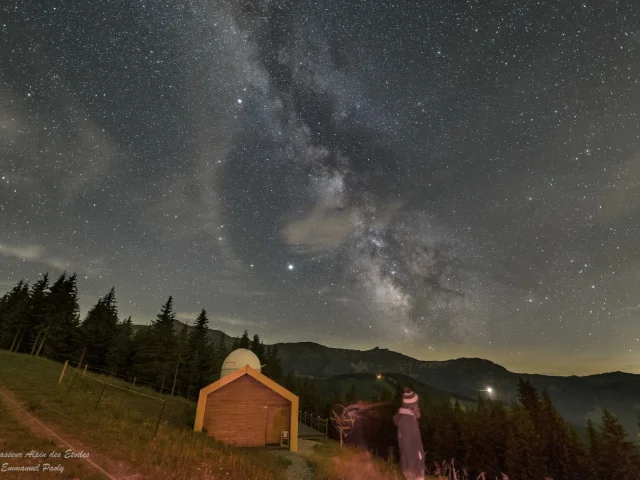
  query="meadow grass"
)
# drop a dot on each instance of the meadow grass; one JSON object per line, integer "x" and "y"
{"x": 123, "y": 424}
{"x": 15, "y": 438}
{"x": 333, "y": 462}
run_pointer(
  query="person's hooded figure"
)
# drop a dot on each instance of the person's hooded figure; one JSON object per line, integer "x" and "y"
{"x": 410, "y": 401}
{"x": 409, "y": 439}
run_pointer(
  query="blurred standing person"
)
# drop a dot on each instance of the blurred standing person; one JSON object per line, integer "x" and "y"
{"x": 409, "y": 438}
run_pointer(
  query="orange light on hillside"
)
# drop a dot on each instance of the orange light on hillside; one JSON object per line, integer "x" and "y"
{"x": 378, "y": 376}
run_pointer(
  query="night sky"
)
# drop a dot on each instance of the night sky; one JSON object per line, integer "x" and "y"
{"x": 444, "y": 179}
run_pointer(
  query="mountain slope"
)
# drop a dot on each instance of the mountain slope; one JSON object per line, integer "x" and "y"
{"x": 577, "y": 398}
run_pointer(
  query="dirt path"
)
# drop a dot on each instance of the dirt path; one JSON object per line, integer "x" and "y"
{"x": 300, "y": 468}
{"x": 111, "y": 469}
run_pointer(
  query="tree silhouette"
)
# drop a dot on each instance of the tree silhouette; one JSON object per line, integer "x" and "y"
{"x": 99, "y": 330}
{"x": 244, "y": 340}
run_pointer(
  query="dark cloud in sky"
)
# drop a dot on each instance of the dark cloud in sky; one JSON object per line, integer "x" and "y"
{"x": 418, "y": 176}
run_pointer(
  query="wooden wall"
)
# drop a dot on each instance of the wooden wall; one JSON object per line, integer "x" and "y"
{"x": 246, "y": 413}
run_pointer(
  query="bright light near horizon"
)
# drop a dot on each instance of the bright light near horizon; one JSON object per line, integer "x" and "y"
{"x": 489, "y": 390}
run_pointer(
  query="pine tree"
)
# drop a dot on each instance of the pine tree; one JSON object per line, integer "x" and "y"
{"x": 200, "y": 354}
{"x": 156, "y": 348}
{"x": 220, "y": 353}
{"x": 181, "y": 370}
{"x": 529, "y": 398}
{"x": 61, "y": 337}
{"x": 594, "y": 440}
{"x": 120, "y": 356}
{"x": 50, "y": 307}
{"x": 498, "y": 433}
{"x": 565, "y": 456}
{"x": 272, "y": 368}
{"x": 617, "y": 456}
{"x": 257, "y": 347}
{"x": 14, "y": 315}
{"x": 524, "y": 458}
{"x": 244, "y": 340}
{"x": 37, "y": 314}
{"x": 450, "y": 432}
{"x": 484, "y": 436}
{"x": 99, "y": 330}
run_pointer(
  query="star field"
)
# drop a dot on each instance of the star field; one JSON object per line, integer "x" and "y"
{"x": 443, "y": 179}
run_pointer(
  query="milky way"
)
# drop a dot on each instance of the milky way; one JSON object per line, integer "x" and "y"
{"x": 432, "y": 177}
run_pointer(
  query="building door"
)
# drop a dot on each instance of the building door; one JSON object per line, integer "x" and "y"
{"x": 278, "y": 419}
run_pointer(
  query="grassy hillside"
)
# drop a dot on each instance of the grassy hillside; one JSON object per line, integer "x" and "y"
{"x": 119, "y": 432}
{"x": 123, "y": 424}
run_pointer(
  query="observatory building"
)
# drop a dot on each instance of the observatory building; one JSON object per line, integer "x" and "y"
{"x": 246, "y": 408}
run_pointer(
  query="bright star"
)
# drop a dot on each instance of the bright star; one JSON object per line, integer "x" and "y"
{"x": 290, "y": 266}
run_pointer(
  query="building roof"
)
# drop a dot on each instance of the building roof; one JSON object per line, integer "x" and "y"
{"x": 252, "y": 372}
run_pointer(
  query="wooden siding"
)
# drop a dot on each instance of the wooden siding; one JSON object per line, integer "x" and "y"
{"x": 243, "y": 426}
{"x": 246, "y": 413}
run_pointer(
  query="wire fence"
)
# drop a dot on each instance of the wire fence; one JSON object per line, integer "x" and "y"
{"x": 110, "y": 394}
{"x": 162, "y": 388}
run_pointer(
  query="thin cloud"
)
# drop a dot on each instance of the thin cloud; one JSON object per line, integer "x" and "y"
{"x": 36, "y": 253}
{"x": 222, "y": 321}
{"x": 187, "y": 317}
{"x": 320, "y": 231}
{"x": 28, "y": 253}
{"x": 218, "y": 322}
{"x": 325, "y": 228}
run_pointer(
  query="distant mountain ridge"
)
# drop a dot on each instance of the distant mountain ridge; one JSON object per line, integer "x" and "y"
{"x": 577, "y": 398}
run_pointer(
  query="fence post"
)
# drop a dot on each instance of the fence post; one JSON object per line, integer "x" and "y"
{"x": 64, "y": 369}
{"x": 175, "y": 376}
{"x": 104, "y": 386}
{"x": 73, "y": 381}
{"x": 84, "y": 350}
{"x": 134, "y": 381}
{"x": 159, "y": 417}
{"x": 84, "y": 371}
{"x": 35, "y": 343}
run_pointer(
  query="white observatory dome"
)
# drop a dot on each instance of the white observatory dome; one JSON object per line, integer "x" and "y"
{"x": 238, "y": 359}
